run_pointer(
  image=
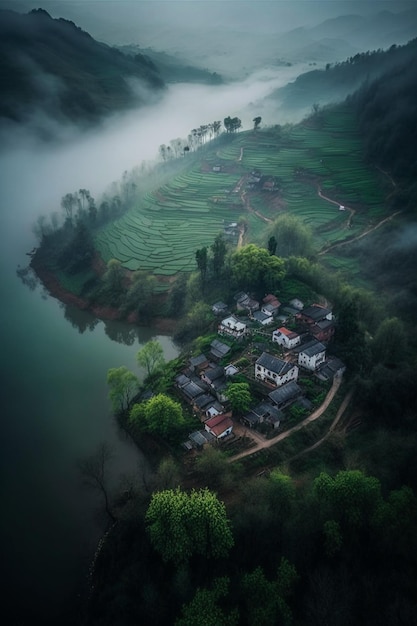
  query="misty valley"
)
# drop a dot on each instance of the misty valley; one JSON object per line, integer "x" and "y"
{"x": 209, "y": 261}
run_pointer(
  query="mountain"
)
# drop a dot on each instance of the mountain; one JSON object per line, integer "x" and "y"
{"x": 336, "y": 82}
{"x": 53, "y": 66}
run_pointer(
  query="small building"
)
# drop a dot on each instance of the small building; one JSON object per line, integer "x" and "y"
{"x": 296, "y": 303}
{"x": 262, "y": 318}
{"x": 231, "y": 370}
{"x": 200, "y": 438}
{"x": 232, "y": 327}
{"x": 285, "y": 395}
{"x": 286, "y": 338}
{"x": 263, "y": 412}
{"x": 198, "y": 363}
{"x": 220, "y": 426}
{"x": 330, "y": 368}
{"x": 219, "y": 308}
{"x": 245, "y": 303}
{"x": 311, "y": 355}
{"x": 218, "y": 349}
{"x": 270, "y": 369}
{"x": 315, "y": 313}
{"x": 192, "y": 390}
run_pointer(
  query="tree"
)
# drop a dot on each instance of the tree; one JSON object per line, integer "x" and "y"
{"x": 254, "y": 268}
{"x": 390, "y": 342}
{"x": 160, "y": 415}
{"x": 272, "y": 245}
{"x": 113, "y": 276}
{"x": 93, "y": 472}
{"x": 239, "y": 397}
{"x": 256, "y": 122}
{"x": 139, "y": 296}
{"x": 151, "y": 356}
{"x": 293, "y": 238}
{"x": 218, "y": 250}
{"x": 204, "y": 608}
{"x": 201, "y": 259}
{"x": 181, "y": 525}
{"x": 123, "y": 386}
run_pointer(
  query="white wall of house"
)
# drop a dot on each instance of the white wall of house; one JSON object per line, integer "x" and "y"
{"x": 284, "y": 340}
{"x": 232, "y": 327}
{"x": 265, "y": 374}
{"x": 311, "y": 362}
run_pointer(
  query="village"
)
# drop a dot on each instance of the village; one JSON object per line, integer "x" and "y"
{"x": 280, "y": 350}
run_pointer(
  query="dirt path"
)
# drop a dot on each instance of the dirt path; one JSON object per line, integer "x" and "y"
{"x": 332, "y": 428}
{"x": 268, "y": 443}
{"x": 346, "y": 208}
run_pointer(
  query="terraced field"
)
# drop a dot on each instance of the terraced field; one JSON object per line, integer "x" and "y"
{"x": 162, "y": 233}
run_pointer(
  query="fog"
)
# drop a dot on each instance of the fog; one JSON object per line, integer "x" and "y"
{"x": 35, "y": 175}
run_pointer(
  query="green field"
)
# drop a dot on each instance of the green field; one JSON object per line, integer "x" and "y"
{"x": 165, "y": 228}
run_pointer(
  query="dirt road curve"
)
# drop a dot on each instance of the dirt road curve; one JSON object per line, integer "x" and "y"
{"x": 267, "y": 443}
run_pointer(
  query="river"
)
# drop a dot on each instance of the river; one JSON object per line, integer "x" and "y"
{"x": 55, "y": 411}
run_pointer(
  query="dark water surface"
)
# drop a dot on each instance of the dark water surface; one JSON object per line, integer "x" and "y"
{"x": 54, "y": 411}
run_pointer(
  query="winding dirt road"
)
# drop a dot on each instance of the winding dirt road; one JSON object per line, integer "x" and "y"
{"x": 268, "y": 443}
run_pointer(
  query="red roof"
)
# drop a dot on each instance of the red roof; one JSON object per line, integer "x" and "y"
{"x": 289, "y": 333}
{"x": 219, "y": 423}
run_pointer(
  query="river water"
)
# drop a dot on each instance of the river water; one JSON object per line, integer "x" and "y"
{"x": 55, "y": 411}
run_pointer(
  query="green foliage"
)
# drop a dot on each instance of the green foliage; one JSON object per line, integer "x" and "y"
{"x": 390, "y": 343}
{"x": 291, "y": 236}
{"x": 159, "y": 415}
{"x": 123, "y": 387}
{"x": 139, "y": 296}
{"x": 204, "y": 609}
{"x": 182, "y": 524}
{"x": 254, "y": 268}
{"x": 151, "y": 357}
{"x": 215, "y": 471}
{"x": 332, "y": 538}
{"x": 239, "y": 397}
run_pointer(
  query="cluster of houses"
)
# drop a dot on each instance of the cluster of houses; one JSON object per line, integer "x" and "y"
{"x": 204, "y": 382}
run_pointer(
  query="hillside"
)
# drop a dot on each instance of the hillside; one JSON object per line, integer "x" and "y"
{"x": 52, "y": 65}
{"x": 337, "y": 81}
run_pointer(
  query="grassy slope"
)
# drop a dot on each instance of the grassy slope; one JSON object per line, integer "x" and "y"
{"x": 163, "y": 231}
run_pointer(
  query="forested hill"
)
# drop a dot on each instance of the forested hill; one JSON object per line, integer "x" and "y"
{"x": 53, "y": 64}
{"x": 337, "y": 81}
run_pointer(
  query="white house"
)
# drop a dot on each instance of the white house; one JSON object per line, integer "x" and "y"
{"x": 311, "y": 355}
{"x": 270, "y": 369}
{"x": 219, "y": 425}
{"x": 287, "y": 338}
{"x": 232, "y": 327}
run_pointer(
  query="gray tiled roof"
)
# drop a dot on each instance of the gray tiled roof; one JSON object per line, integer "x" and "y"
{"x": 273, "y": 364}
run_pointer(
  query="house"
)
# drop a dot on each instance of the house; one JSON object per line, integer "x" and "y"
{"x": 218, "y": 349}
{"x": 311, "y": 355}
{"x": 318, "y": 320}
{"x": 231, "y": 370}
{"x": 285, "y": 395}
{"x": 262, "y": 318}
{"x": 219, "y": 425}
{"x": 286, "y": 338}
{"x": 270, "y": 369}
{"x": 217, "y": 168}
{"x": 330, "y": 368}
{"x": 270, "y": 305}
{"x": 232, "y": 327}
{"x": 192, "y": 390}
{"x": 215, "y": 378}
{"x": 200, "y": 438}
{"x": 219, "y": 308}
{"x": 201, "y": 403}
{"x": 198, "y": 363}
{"x": 245, "y": 303}
{"x": 296, "y": 303}
{"x": 263, "y": 412}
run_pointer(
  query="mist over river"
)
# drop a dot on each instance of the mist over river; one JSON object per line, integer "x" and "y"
{"x": 55, "y": 408}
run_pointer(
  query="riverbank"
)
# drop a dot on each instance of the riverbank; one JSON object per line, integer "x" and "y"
{"x": 163, "y": 325}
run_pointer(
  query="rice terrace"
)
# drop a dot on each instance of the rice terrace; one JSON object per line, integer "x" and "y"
{"x": 215, "y": 188}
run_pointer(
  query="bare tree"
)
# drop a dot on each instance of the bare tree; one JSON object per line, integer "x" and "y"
{"x": 93, "y": 471}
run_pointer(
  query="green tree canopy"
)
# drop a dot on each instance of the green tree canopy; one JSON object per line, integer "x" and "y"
{"x": 239, "y": 397}
{"x": 181, "y": 524}
{"x": 151, "y": 356}
{"x": 204, "y": 609}
{"x": 254, "y": 268}
{"x": 292, "y": 236}
{"x": 123, "y": 386}
{"x": 159, "y": 415}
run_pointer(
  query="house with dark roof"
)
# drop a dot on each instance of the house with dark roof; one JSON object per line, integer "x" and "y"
{"x": 262, "y": 318}
{"x": 270, "y": 304}
{"x": 330, "y": 368}
{"x": 245, "y": 303}
{"x": 318, "y": 320}
{"x": 220, "y": 425}
{"x": 215, "y": 378}
{"x": 198, "y": 363}
{"x": 285, "y": 395}
{"x": 263, "y": 412}
{"x": 219, "y": 308}
{"x": 311, "y": 355}
{"x": 270, "y": 369}
{"x": 218, "y": 349}
{"x": 286, "y": 338}
{"x": 192, "y": 390}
